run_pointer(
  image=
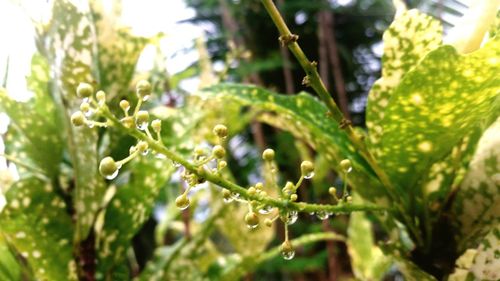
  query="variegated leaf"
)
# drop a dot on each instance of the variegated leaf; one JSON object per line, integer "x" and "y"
{"x": 36, "y": 223}
{"x": 407, "y": 40}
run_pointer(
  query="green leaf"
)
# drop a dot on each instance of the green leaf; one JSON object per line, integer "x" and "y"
{"x": 306, "y": 118}
{"x": 36, "y": 223}
{"x": 407, "y": 40}
{"x": 368, "y": 261}
{"x": 130, "y": 208}
{"x": 119, "y": 50}
{"x": 35, "y": 134}
{"x": 9, "y": 265}
{"x": 70, "y": 46}
{"x": 477, "y": 201}
{"x": 436, "y": 104}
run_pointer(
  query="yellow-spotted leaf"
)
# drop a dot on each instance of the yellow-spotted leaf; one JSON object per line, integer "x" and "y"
{"x": 435, "y": 106}
{"x": 35, "y": 135}
{"x": 37, "y": 225}
{"x": 70, "y": 45}
{"x": 486, "y": 265}
{"x": 306, "y": 118}
{"x": 407, "y": 40}
{"x": 9, "y": 265}
{"x": 129, "y": 209}
{"x": 477, "y": 202}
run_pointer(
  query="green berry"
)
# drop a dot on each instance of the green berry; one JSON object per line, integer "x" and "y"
{"x": 220, "y": 131}
{"x": 218, "y": 152}
{"x": 78, "y": 119}
{"x": 108, "y": 167}
{"x": 268, "y": 155}
{"x": 84, "y": 90}
{"x": 143, "y": 89}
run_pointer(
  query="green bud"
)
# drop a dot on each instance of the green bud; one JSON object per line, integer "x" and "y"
{"x": 222, "y": 164}
{"x": 218, "y": 152}
{"x": 142, "y": 146}
{"x": 226, "y": 194}
{"x": 252, "y": 220}
{"x": 143, "y": 89}
{"x": 268, "y": 222}
{"x": 142, "y": 117}
{"x": 346, "y": 165}
{"x": 85, "y": 107}
{"x": 259, "y": 186}
{"x": 293, "y": 197}
{"x": 84, "y": 90}
{"x": 156, "y": 125}
{"x": 128, "y": 122}
{"x": 125, "y": 105}
{"x": 252, "y": 190}
{"x": 220, "y": 131}
{"x": 333, "y": 191}
{"x": 101, "y": 97}
{"x": 108, "y": 168}
{"x": 306, "y": 168}
{"x": 268, "y": 155}
{"x": 78, "y": 119}
{"x": 182, "y": 202}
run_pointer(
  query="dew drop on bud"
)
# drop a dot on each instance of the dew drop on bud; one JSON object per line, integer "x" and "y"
{"x": 292, "y": 217}
{"x": 142, "y": 126}
{"x": 160, "y": 155}
{"x": 309, "y": 175}
{"x": 145, "y": 152}
{"x": 288, "y": 255}
{"x": 113, "y": 175}
{"x": 182, "y": 202}
{"x": 265, "y": 210}
{"x": 322, "y": 215}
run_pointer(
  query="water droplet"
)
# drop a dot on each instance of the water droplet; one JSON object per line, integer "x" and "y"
{"x": 292, "y": 217}
{"x": 235, "y": 195}
{"x": 312, "y": 213}
{"x": 252, "y": 226}
{"x": 88, "y": 113}
{"x": 87, "y": 99}
{"x": 265, "y": 210}
{"x": 322, "y": 215}
{"x": 112, "y": 176}
{"x": 142, "y": 126}
{"x": 309, "y": 175}
{"x": 349, "y": 170}
{"x": 182, "y": 202}
{"x": 160, "y": 155}
{"x": 176, "y": 164}
{"x": 146, "y": 97}
{"x": 145, "y": 152}
{"x": 228, "y": 199}
{"x": 90, "y": 124}
{"x": 288, "y": 255}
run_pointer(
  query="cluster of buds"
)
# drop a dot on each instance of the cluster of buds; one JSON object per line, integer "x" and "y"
{"x": 89, "y": 107}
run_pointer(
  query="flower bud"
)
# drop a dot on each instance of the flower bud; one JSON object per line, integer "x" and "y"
{"x": 259, "y": 186}
{"x": 346, "y": 165}
{"x": 268, "y": 155}
{"x": 142, "y": 117}
{"x": 84, "y": 90}
{"x": 333, "y": 191}
{"x": 142, "y": 146}
{"x": 143, "y": 89}
{"x": 128, "y": 122}
{"x": 268, "y": 222}
{"x": 252, "y": 190}
{"x": 156, "y": 125}
{"x": 125, "y": 105}
{"x": 220, "y": 131}
{"x": 252, "y": 220}
{"x": 85, "y": 107}
{"x": 182, "y": 202}
{"x": 108, "y": 167}
{"x": 293, "y": 197}
{"x": 306, "y": 168}
{"x": 222, "y": 164}
{"x": 101, "y": 97}
{"x": 78, "y": 119}
{"x": 218, "y": 152}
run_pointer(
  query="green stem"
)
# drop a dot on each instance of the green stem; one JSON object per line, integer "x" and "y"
{"x": 218, "y": 180}
{"x": 317, "y": 84}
